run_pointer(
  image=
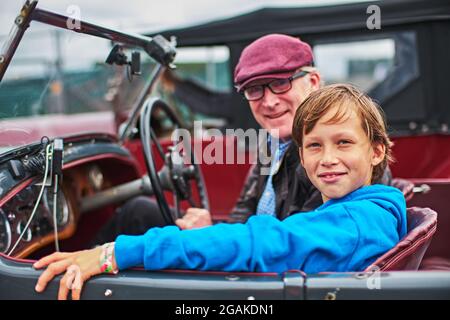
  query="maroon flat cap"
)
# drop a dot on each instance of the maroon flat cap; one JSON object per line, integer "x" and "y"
{"x": 274, "y": 56}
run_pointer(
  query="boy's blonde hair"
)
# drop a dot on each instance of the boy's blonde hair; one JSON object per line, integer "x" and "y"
{"x": 346, "y": 98}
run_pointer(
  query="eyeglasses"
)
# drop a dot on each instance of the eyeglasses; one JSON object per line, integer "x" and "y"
{"x": 277, "y": 86}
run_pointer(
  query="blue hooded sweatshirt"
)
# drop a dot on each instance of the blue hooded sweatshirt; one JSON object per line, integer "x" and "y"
{"x": 345, "y": 234}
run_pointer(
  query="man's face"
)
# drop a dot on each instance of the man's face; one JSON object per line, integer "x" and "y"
{"x": 339, "y": 157}
{"x": 277, "y": 111}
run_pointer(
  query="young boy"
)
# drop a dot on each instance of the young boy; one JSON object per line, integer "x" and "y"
{"x": 343, "y": 147}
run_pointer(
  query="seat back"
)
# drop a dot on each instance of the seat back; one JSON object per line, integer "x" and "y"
{"x": 408, "y": 253}
{"x": 405, "y": 186}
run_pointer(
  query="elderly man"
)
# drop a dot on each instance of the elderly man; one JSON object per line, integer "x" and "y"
{"x": 275, "y": 74}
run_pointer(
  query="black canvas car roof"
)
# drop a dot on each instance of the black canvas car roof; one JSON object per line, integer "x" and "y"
{"x": 308, "y": 20}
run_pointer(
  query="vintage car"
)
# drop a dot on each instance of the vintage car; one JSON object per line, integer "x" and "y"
{"x": 63, "y": 174}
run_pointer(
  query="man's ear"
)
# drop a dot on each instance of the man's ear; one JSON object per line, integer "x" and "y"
{"x": 379, "y": 152}
{"x": 315, "y": 80}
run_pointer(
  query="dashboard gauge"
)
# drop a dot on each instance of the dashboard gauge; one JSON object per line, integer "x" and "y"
{"x": 27, "y": 235}
{"x": 5, "y": 233}
{"x": 62, "y": 208}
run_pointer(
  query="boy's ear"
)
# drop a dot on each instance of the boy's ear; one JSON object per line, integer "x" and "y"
{"x": 300, "y": 154}
{"x": 379, "y": 152}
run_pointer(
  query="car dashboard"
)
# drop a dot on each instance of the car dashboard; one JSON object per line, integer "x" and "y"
{"x": 85, "y": 173}
{"x": 18, "y": 212}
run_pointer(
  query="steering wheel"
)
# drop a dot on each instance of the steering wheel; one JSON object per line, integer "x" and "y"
{"x": 176, "y": 173}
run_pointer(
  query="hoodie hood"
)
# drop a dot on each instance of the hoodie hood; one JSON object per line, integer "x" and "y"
{"x": 389, "y": 198}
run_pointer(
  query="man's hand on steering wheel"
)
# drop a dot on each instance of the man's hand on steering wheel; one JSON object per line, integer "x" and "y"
{"x": 194, "y": 218}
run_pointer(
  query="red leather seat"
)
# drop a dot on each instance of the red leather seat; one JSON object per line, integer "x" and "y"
{"x": 408, "y": 253}
{"x": 405, "y": 186}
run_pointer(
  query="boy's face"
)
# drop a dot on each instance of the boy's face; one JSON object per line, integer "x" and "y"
{"x": 339, "y": 157}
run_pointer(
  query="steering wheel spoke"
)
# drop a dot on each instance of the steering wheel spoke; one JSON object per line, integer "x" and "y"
{"x": 158, "y": 145}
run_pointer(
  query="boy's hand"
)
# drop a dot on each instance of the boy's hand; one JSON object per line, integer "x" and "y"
{"x": 79, "y": 267}
{"x": 194, "y": 218}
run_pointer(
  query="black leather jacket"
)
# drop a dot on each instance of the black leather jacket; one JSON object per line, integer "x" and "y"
{"x": 294, "y": 191}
